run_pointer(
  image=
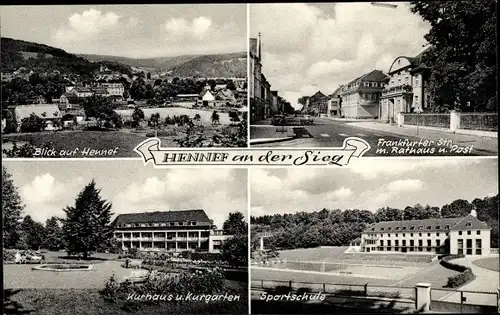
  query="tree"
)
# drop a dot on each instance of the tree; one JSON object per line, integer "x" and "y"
{"x": 154, "y": 120}
{"x": 233, "y": 116}
{"x": 215, "y": 118}
{"x": 457, "y": 209}
{"x": 235, "y": 224}
{"x": 388, "y": 214}
{"x": 87, "y": 224}
{"x": 137, "y": 115}
{"x": 302, "y": 100}
{"x": 11, "y": 210}
{"x": 101, "y": 108}
{"x": 54, "y": 240}
{"x": 462, "y": 53}
{"x": 230, "y": 85}
{"x": 32, "y": 234}
{"x": 235, "y": 250}
{"x": 10, "y": 121}
{"x": 33, "y": 123}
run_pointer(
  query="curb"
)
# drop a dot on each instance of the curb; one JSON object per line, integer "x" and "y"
{"x": 269, "y": 140}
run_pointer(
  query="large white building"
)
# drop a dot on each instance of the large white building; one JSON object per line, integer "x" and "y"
{"x": 172, "y": 231}
{"x": 455, "y": 236}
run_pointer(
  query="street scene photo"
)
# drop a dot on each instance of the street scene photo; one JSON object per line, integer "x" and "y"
{"x": 411, "y": 78}
{"x": 378, "y": 236}
{"x": 95, "y": 81}
{"x": 110, "y": 237}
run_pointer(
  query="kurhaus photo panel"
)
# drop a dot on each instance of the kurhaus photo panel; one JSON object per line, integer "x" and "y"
{"x": 410, "y": 78}
{"x": 384, "y": 236}
{"x": 119, "y": 238}
{"x": 83, "y": 81}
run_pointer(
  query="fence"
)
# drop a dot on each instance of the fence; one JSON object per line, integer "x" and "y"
{"x": 431, "y": 120}
{"x": 479, "y": 121}
{"x": 336, "y": 289}
{"x": 453, "y": 121}
{"x": 450, "y": 300}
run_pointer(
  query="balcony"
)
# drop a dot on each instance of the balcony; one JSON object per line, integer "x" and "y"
{"x": 397, "y": 90}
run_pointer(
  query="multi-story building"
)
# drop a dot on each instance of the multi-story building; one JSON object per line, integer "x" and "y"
{"x": 361, "y": 96}
{"x": 172, "y": 231}
{"x": 455, "y": 236}
{"x": 257, "y": 105}
{"x": 114, "y": 89}
{"x": 266, "y": 96}
{"x": 317, "y": 104}
{"x": 406, "y": 88}
{"x": 335, "y": 103}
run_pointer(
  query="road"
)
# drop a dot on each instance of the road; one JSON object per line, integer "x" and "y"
{"x": 331, "y": 133}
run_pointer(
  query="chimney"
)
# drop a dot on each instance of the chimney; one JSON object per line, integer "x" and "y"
{"x": 473, "y": 213}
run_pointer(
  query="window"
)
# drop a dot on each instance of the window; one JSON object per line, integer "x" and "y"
{"x": 412, "y": 228}
{"x": 460, "y": 246}
{"x": 404, "y": 242}
{"x": 163, "y": 224}
{"x": 420, "y": 242}
{"x": 388, "y": 235}
{"x": 428, "y": 234}
{"x": 438, "y": 227}
{"x": 407, "y": 80}
{"x": 438, "y": 243}
{"x": 181, "y": 223}
{"x": 404, "y": 234}
{"x": 172, "y": 223}
{"x": 381, "y": 229}
{"x": 416, "y": 100}
{"x": 421, "y": 227}
{"x": 381, "y": 235}
{"x": 468, "y": 232}
{"x": 459, "y": 232}
{"x": 366, "y": 84}
{"x": 447, "y": 227}
{"x": 396, "y": 242}
{"x": 411, "y": 234}
{"x": 416, "y": 81}
{"x": 478, "y": 246}
{"x": 447, "y": 233}
{"x": 404, "y": 228}
{"x": 389, "y": 228}
{"x": 419, "y": 234}
{"x": 397, "y": 228}
{"x": 429, "y": 227}
{"x": 478, "y": 232}
{"x": 429, "y": 242}
{"x": 437, "y": 234}
{"x": 382, "y": 243}
{"x": 193, "y": 222}
{"x": 468, "y": 224}
{"x": 155, "y": 224}
{"x": 389, "y": 243}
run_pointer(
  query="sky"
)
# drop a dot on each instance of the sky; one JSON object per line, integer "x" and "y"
{"x": 137, "y": 31}
{"x": 369, "y": 184}
{"x": 311, "y": 47}
{"x": 46, "y": 187}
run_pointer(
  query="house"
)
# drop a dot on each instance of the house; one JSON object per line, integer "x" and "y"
{"x": 101, "y": 91}
{"x": 335, "y": 103}
{"x": 71, "y": 113}
{"x": 317, "y": 104}
{"x": 206, "y": 98}
{"x": 68, "y": 98}
{"x": 225, "y": 95}
{"x": 406, "y": 91}
{"x": 361, "y": 96}
{"x": 114, "y": 89}
{"x": 455, "y": 236}
{"x": 50, "y": 113}
{"x": 219, "y": 87}
{"x": 171, "y": 231}
{"x": 36, "y": 100}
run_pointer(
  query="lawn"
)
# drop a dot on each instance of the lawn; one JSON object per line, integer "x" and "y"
{"x": 88, "y": 301}
{"x": 95, "y": 140}
{"x": 491, "y": 263}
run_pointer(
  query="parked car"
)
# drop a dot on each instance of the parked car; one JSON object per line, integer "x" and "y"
{"x": 279, "y": 120}
{"x": 306, "y": 120}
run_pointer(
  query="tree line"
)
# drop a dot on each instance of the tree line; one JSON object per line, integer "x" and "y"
{"x": 338, "y": 228}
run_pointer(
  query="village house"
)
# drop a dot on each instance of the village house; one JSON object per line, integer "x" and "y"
{"x": 50, "y": 113}
{"x": 206, "y": 98}
{"x": 71, "y": 113}
{"x": 335, "y": 103}
{"x": 455, "y": 236}
{"x": 317, "y": 104}
{"x": 361, "y": 96}
{"x": 225, "y": 96}
{"x": 170, "y": 231}
{"x": 406, "y": 88}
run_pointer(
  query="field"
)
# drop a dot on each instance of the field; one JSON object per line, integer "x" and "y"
{"x": 332, "y": 265}
{"x": 164, "y": 112}
{"x": 491, "y": 263}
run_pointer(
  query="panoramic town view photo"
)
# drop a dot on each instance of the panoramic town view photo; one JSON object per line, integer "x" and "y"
{"x": 95, "y": 81}
{"x": 411, "y": 78}
{"x": 120, "y": 239}
{"x": 386, "y": 236}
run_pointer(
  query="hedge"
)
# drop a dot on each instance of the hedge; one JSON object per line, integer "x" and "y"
{"x": 466, "y": 275}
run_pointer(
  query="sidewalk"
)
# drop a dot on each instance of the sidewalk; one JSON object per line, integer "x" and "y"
{"x": 479, "y": 143}
{"x": 269, "y": 134}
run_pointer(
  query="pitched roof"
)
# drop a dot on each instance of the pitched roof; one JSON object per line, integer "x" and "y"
{"x": 163, "y": 216}
{"x": 51, "y": 111}
{"x": 427, "y": 225}
{"x": 375, "y": 75}
{"x": 337, "y": 91}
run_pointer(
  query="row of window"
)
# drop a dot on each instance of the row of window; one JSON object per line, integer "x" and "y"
{"x": 365, "y": 84}
{"x": 416, "y": 81}
{"x": 478, "y": 232}
{"x": 412, "y": 243}
{"x": 169, "y": 235}
{"x": 158, "y": 224}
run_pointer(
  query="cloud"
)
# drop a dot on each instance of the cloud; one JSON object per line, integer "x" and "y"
{"x": 341, "y": 41}
{"x": 405, "y": 185}
{"x": 342, "y": 193}
{"x": 88, "y": 24}
{"x": 179, "y": 27}
{"x": 42, "y": 189}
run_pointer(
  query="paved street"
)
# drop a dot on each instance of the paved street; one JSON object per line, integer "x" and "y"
{"x": 331, "y": 133}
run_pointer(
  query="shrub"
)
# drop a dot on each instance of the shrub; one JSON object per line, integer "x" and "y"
{"x": 460, "y": 279}
{"x": 8, "y": 255}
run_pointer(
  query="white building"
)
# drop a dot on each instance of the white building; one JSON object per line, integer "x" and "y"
{"x": 49, "y": 113}
{"x": 455, "y": 236}
{"x": 172, "y": 231}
